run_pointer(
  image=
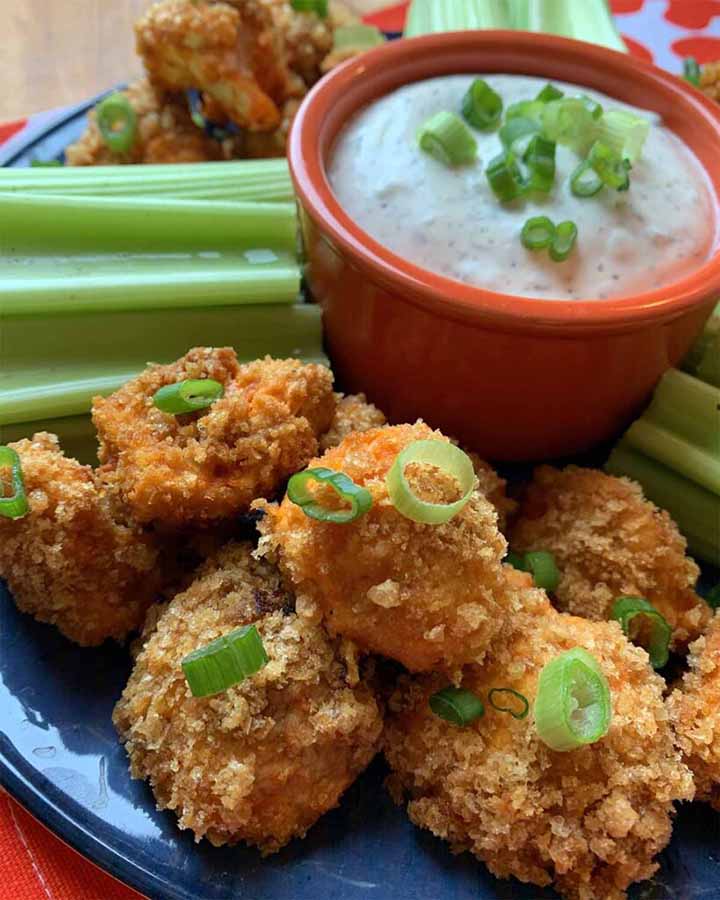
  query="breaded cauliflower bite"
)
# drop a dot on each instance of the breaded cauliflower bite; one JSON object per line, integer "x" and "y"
{"x": 590, "y": 820}
{"x": 69, "y": 561}
{"x": 426, "y": 595}
{"x": 353, "y": 413}
{"x": 261, "y": 762}
{"x": 695, "y": 713}
{"x": 198, "y": 468}
{"x": 609, "y": 541}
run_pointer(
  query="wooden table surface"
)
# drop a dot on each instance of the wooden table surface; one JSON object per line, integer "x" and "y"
{"x": 61, "y": 51}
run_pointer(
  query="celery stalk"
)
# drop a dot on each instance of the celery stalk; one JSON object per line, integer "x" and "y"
{"x": 41, "y": 380}
{"x": 695, "y": 509}
{"x": 36, "y": 221}
{"x": 703, "y": 360}
{"x": 44, "y": 285}
{"x": 679, "y": 454}
{"x": 587, "y": 20}
{"x": 430, "y": 16}
{"x": 76, "y": 433}
{"x": 689, "y": 408}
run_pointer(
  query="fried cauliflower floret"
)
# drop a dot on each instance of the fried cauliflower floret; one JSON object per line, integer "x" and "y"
{"x": 230, "y": 52}
{"x": 494, "y": 488}
{"x": 425, "y": 595}
{"x": 69, "y": 561}
{"x": 205, "y": 466}
{"x": 165, "y": 133}
{"x": 590, "y": 820}
{"x": 353, "y": 413}
{"x": 710, "y": 80}
{"x": 695, "y": 713}
{"x": 609, "y": 541}
{"x": 261, "y": 762}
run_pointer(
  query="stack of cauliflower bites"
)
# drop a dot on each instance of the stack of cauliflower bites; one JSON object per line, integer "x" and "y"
{"x": 523, "y": 720}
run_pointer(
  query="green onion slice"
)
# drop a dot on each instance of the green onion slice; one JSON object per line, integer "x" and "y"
{"x": 537, "y": 234}
{"x": 319, "y": 7}
{"x": 585, "y": 181}
{"x": 45, "y": 163}
{"x": 457, "y": 705}
{"x": 564, "y": 241}
{"x": 445, "y": 456}
{"x": 508, "y": 706}
{"x": 226, "y": 661}
{"x": 612, "y": 168}
{"x": 713, "y": 597}
{"x": 691, "y": 71}
{"x": 188, "y": 396}
{"x": 549, "y": 93}
{"x": 526, "y": 109}
{"x": 624, "y": 132}
{"x": 117, "y": 121}
{"x": 505, "y": 178}
{"x": 448, "y": 139}
{"x": 540, "y": 160}
{"x": 592, "y": 106}
{"x": 516, "y": 134}
{"x": 16, "y": 505}
{"x": 540, "y": 564}
{"x": 357, "y": 37}
{"x": 569, "y": 122}
{"x": 482, "y": 106}
{"x": 573, "y": 705}
{"x": 645, "y": 626}
{"x": 359, "y": 498}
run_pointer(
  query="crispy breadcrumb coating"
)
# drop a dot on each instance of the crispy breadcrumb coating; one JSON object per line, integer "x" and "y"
{"x": 353, "y": 413}
{"x": 710, "y": 80}
{"x": 494, "y": 488}
{"x": 426, "y": 595}
{"x": 70, "y": 561}
{"x": 591, "y": 820}
{"x": 263, "y": 761}
{"x": 210, "y": 465}
{"x": 695, "y": 713}
{"x": 165, "y": 133}
{"x": 609, "y": 541}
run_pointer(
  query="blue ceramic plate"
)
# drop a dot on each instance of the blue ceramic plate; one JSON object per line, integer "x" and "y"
{"x": 60, "y": 757}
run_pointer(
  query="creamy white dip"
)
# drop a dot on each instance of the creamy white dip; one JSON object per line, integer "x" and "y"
{"x": 448, "y": 220}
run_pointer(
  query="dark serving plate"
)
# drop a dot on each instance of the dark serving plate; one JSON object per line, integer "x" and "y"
{"x": 60, "y": 758}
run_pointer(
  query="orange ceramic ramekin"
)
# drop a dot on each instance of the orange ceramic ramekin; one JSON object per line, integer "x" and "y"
{"x": 513, "y": 377}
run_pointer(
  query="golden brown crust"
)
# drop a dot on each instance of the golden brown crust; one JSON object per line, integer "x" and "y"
{"x": 263, "y": 761}
{"x": 710, "y": 80}
{"x": 590, "y": 820}
{"x": 207, "y": 466}
{"x": 494, "y": 488}
{"x": 609, "y": 541}
{"x": 353, "y": 413}
{"x": 69, "y": 561}
{"x": 426, "y": 595}
{"x": 695, "y": 713}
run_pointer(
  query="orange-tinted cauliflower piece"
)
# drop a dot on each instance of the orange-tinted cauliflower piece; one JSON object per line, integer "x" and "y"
{"x": 261, "y": 762}
{"x": 429, "y": 596}
{"x": 609, "y": 541}
{"x": 71, "y": 561}
{"x": 591, "y": 820}
{"x": 199, "y": 468}
{"x": 353, "y": 413}
{"x": 710, "y": 80}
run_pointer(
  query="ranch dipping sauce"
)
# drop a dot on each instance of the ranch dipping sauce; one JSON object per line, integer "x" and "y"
{"x": 448, "y": 220}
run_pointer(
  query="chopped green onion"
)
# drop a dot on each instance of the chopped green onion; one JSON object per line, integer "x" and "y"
{"x": 564, "y": 241}
{"x": 516, "y": 134}
{"x": 537, "y": 234}
{"x": 713, "y": 597}
{"x": 45, "y": 163}
{"x": 481, "y": 106}
{"x": 359, "y": 498}
{"x": 16, "y": 505}
{"x": 592, "y": 106}
{"x": 691, "y": 71}
{"x": 117, "y": 121}
{"x": 505, "y": 177}
{"x": 573, "y": 705}
{"x": 612, "y": 168}
{"x": 357, "y": 37}
{"x": 445, "y": 456}
{"x": 623, "y": 131}
{"x": 569, "y": 122}
{"x": 448, "y": 139}
{"x": 651, "y": 630}
{"x": 457, "y": 706}
{"x": 188, "y": 396}
{"x": 224, "y": 662}
{"x": 540, "y": 160}
{"x": 549, "y": 93}
{"x": 319, "y": 7}
{"x": 541, "y": 565}
{"x": 515, "y": 713}
{"x": 585, "y": 181}
{"x": 525, "y": 109}
{"x": 516, "y": 560}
